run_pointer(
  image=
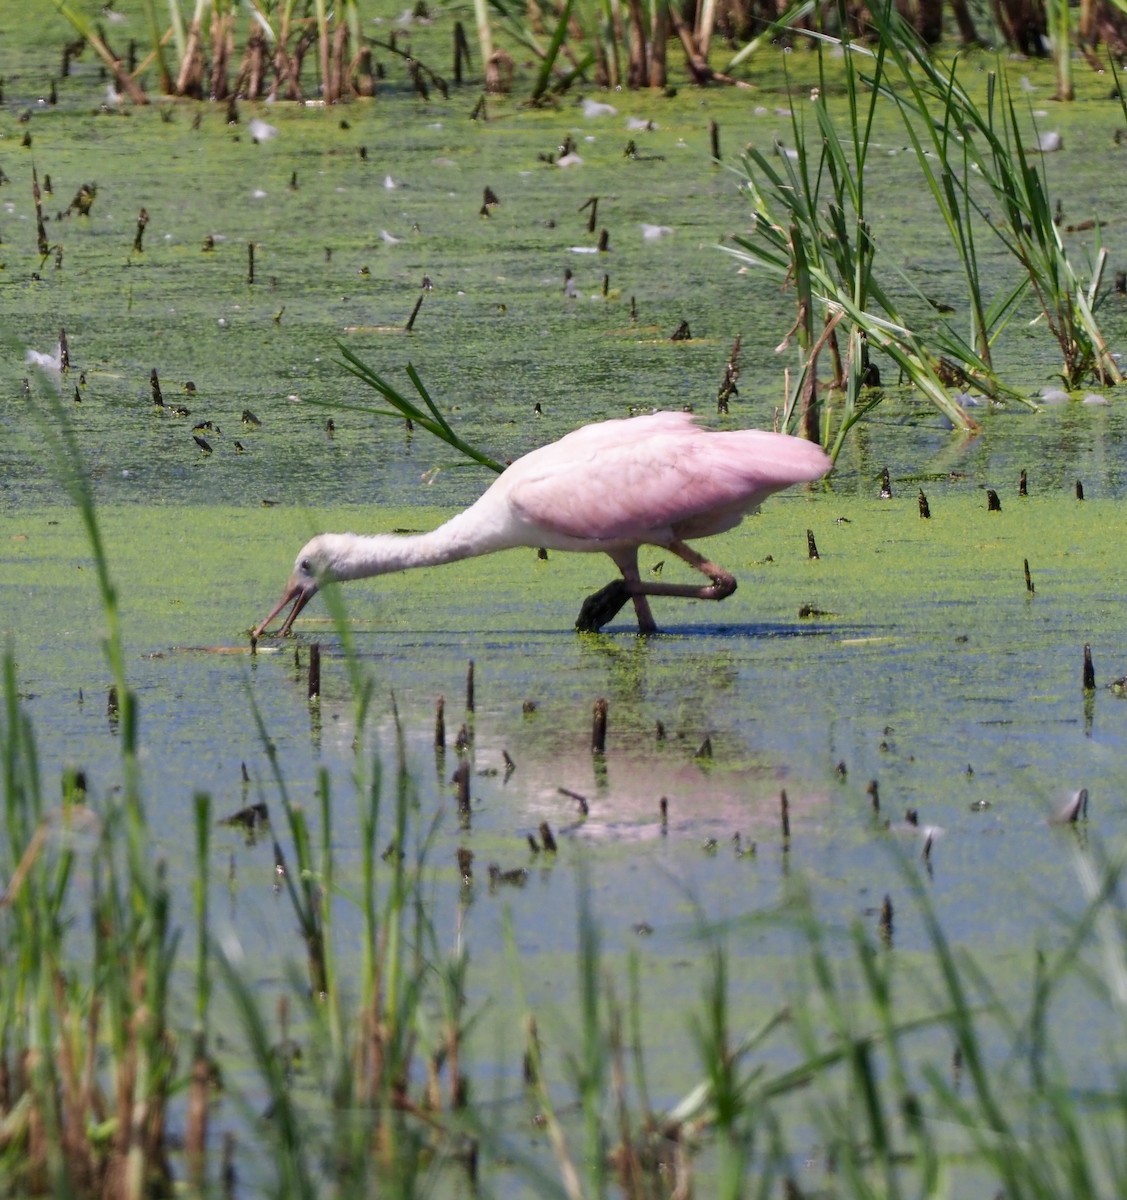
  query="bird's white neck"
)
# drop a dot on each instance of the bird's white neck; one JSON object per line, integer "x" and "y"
{"x": 361, "y": 556}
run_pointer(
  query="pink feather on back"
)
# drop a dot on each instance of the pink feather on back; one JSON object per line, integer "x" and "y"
{"x": 655, "y": 477}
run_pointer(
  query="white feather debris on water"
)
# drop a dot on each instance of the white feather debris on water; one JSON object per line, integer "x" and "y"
{"x": 1073, "y": 810}
{"x": 261, "y": 131}
{"x": 654, "y": 233}
{"x": 1050, "y": 142}
{"x": 571, "y": 159}
{"x": 596, "y": 108}
{"x": 45, "y": 362}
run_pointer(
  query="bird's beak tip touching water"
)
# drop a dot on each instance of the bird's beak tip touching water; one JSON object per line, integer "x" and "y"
{"x": 298, "y": 592}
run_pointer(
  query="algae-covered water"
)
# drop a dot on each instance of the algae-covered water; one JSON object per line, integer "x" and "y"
{"x": 911, "y": 652}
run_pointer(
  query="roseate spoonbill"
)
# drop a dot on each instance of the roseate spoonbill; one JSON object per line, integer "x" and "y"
{"x": 613, "y": 486}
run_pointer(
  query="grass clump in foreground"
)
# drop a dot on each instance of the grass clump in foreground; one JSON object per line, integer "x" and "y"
{"x": 908, "y": 1067}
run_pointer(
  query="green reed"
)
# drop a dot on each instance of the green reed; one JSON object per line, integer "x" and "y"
{"x": 988, "y": 142}
{"x": 813, "y": 230}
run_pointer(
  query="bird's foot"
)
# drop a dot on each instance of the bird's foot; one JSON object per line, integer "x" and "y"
{"x": 601, "y": 608}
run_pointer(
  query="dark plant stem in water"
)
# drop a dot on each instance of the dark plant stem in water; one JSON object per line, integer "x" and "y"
{"x": 314, "y": 687}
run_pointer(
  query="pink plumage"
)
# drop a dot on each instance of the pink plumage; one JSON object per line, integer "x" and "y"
{"x": 610, "y": 487}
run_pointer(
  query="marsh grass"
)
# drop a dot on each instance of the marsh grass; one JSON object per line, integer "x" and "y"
{"x": 195, "y": 58}
{"x": 989, "y": 142}
{"x": 812, "y": 229}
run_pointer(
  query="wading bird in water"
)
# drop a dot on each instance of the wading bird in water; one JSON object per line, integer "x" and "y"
{"x": 657, "y": 480}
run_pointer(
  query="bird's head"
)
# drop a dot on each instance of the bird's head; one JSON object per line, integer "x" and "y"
{"x": 314, "y": 566}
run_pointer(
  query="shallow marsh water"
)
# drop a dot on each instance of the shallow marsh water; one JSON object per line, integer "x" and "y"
{"x": 928, "y": 657}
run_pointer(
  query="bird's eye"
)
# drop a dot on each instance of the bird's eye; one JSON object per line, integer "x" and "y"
{"x": 305, "y": 566}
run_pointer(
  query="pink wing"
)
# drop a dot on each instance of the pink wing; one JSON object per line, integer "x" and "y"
{"x": 652, "y": 476}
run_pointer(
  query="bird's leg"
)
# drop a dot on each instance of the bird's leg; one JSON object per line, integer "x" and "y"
{"x": 601, "y": 608}
{"x": 723, "y": 583}
{"x": 627, "y": 562}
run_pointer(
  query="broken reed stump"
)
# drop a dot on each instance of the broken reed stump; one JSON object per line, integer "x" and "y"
{"x": 784, "y": 812}
{"x": 811, "y": 545}
{"x": 1028, "y": 578}
{"x": 885, "y": 485}
{"x": 462, "y": 784}
{"x": 154, "y": 387}
{"x": 142, "y": 221}
{"x": 250, "y": 262}
{"x": 1023, "y": 485}
{"x": 461, "y": 51}
{"x": 530, "y": 1063}
{"x": 440, "y": 724}
{"x": 314, "y": 689}
{"x": 593, "y": 216}
{"x": 873, "y": 792}
{"x": 993, "y": 504}
{"x": 414, "y": 313}
{"x": 578, "y": 797}
{"x": 728, "y": 387}
{"x": 599, "y": 727}
{"x": 469, "y": 687}
{"x": 714, "y": 140}
{"x": 1079, "y": 490}
{"x": 1089, "y": 675}
{"x": 42, "y": 244}
{"x": 925, "y": 508}
{"x": 886, "y": 921}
